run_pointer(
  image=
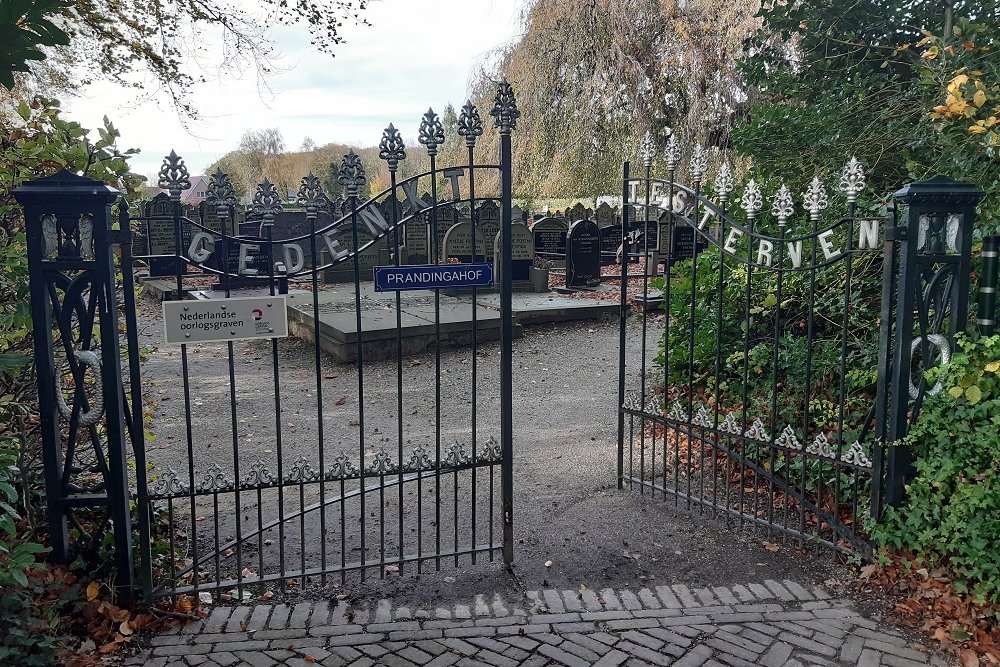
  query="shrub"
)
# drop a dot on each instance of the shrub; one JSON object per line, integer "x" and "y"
{"x": 951, "y": 516}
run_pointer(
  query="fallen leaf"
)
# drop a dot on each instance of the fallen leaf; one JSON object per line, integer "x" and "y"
{"x": 969, "y": 658}
{"x": 548, "y": 563}
{"x": 771, "y": 546}
{"x": 341, "y": 400}
{"x": 266, "y": 595}
{"x": 309, "y": 658}
{"x": 125, "y": 629}
{"x": 93, "y": 588}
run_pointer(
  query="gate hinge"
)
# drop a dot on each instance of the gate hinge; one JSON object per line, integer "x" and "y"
{"x": 897, "y": 233}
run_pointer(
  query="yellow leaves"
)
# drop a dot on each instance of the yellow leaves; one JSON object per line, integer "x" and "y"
{"x": 979, "y": 99}
{"x": 992, "y": 367}
{"x": 931, "y": 53}
{"x": 93, "y": 588}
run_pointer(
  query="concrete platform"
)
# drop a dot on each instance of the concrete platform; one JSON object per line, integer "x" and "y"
{"x": 338, "y": 325}
{"x": 162, "y": 289}
{"x": 534, "y": 308}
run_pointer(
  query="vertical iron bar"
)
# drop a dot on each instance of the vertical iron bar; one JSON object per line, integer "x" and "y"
{"x": 986, "y": 310}
{"x": 506, "y": 331}
{"x": 311, "y": 215}
{"x": 475, "y": 364}
{"x": 137, "y": 433}
{"x": 236, "y": 444}
{"x": 622, "y": 315}
{"x": 353, "y": 198}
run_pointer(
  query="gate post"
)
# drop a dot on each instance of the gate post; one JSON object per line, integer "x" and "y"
{"x": 932, "y": 306}
{"x": 505, "y": 115}
{"x": 71, "y": 270}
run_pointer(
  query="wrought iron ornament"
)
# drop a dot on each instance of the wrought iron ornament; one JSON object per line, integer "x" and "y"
{"x": 699, "y": 162}
{"x": 470, "y": 125}
{"x": 391, "y": 148}
{"x": 505, "y": 112}
{"x": 815, "y": 198}
{"x": 352, "y": 174}
{"x": 647, "y": 149}
{"x": 311, "y": 195}
{"x": 724, "y": 182}
{"x": 752, "y": 200}
{"x": 852, "y": 180}
{"x": 783, "y": 206}
{"x": 431, "y": 132}
{"x": 174, "y": 176}
{"x": 266, "y": 202}
{"x": 220, "y": 191}
{"x": 672, "y": 153}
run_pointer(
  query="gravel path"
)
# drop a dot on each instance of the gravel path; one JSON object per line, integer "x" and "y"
{"x": 572, "y": 525}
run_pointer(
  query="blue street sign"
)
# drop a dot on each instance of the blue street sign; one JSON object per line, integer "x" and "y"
{"x": 432, "y": 276}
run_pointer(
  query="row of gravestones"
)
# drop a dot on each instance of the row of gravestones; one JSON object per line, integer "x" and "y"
{"x": 656, "y": 236}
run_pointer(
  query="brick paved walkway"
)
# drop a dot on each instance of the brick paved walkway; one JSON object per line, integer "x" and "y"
{"x": 773, "y": 623}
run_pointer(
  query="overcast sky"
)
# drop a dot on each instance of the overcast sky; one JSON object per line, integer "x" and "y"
{"x": 416, "y": 54}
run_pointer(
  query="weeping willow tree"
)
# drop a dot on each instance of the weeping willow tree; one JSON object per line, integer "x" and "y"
{"x": 592, "y": 77}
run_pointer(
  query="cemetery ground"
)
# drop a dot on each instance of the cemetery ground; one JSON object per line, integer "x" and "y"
{"x": 582, "y": 545}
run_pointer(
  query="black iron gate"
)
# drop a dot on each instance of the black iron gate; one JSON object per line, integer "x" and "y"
{"x": 262, "y": 463}
{"x": 777, "y": 360}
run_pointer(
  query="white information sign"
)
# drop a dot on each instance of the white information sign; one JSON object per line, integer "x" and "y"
{"x": 239, "y": 318}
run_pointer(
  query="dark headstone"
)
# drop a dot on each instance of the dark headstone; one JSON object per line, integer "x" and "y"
{"x": 583, "y": 254}
{"x": 683, "y": 243}
{"x": 415, "y": 240}
{"x": 611, "y": 240}
{"x": 161, "y": 236}
{"x": 550, "y": 238}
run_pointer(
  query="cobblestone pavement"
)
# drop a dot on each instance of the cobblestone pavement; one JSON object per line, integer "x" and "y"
{"x": 771, "y": 623}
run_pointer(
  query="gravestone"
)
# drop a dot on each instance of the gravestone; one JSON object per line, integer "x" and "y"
{"x": 517, "y": 215}
{"x": 415, "y": 249}
{"x": 583, "y": 254}
{"x": 447, "y": 215}
{"x": 576, "y": 212}
{"x": 605, "y": 215}
{"x": 550, "y": 238}
{"x": 610, "y": 240}
{"x": 487, "y": 227}
{"x": 685, "y": 243}
{"x": 457, "y": 243}
{"x": 161, "y": 236}
{"x": 522, "y": 255}
{"x": 343, "y": 271}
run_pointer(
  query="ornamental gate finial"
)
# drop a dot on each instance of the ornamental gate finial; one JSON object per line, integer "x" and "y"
{"x": 431, "y": 132}
{"x": 647, "y": 149}
{"x": 505, "y": 112}
{"x": 311, "y": 195}
{"x": 174, "y": 176}
{"x": 352, "y": 174}
{"x": 470, "y": 125}
{"x": 391, "y": 148}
